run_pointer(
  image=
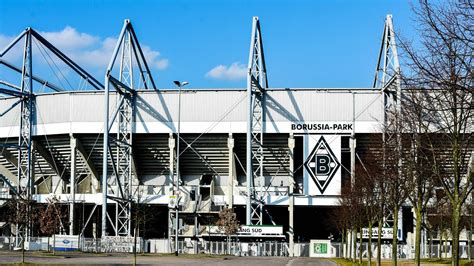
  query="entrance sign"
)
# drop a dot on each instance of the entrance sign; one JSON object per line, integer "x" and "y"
{"x": 251, "y": 230}
{"x": 322, "y": 164}
{"x": 260, "y": 230}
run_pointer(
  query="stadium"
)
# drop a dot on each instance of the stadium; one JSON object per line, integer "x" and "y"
{"x": 125, "y": 153}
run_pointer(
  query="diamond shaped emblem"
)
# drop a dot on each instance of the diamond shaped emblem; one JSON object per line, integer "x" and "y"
{"x": 322, "y": 164}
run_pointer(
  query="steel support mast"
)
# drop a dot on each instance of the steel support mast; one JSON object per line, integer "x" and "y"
{"x": 387, "y": 73}
{"x": 119, "y": 187}
{"x": 388, "y": 80}
{"x": 25, "y": 93}
{"x": 256, "y": 85}
{"x": 25, "y": 162}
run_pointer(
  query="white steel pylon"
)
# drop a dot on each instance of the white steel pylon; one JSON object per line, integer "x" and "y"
{"x": 387, "y": 73}
{"x": 25, "y": 93}
{"x": 388, "y": 80}
{"x": 25, "y": 162}
{"x": 123, "y": 175}
{"x": 256, "y": 85}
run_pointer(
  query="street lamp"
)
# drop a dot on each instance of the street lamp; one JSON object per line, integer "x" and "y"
{"x": 180, "y": 85}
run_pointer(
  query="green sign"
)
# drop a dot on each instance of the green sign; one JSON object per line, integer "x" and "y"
{"x": 320, "y": 248}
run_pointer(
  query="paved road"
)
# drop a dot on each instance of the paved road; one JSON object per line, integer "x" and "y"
{"x": 125, "y": 259}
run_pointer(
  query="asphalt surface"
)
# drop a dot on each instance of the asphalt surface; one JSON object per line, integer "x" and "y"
{"x": 127, "y": 259}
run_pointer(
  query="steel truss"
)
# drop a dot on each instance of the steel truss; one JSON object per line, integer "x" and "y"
{"x": 123, "y": 175}
{"x": 388, "y": 79}
{"x": 256, "y": 85}
{"x": 387, "y": 74}
{"x": 26, "y": 95}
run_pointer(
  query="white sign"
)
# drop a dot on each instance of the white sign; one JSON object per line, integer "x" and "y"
{"x": 322, "y": 165}
{"x": 320, "y": 248}
{"x": 323, "y": 128}
{"x": 260, "y": 230}
{"x": 255, "y": 230}
{"x": 172, "y": 201}
{"x": 386, "y": 233}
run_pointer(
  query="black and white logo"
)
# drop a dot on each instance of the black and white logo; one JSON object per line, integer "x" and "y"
{"x": 322, "y": 164}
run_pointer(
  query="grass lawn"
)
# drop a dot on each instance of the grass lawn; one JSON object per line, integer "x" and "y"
{"x": 402, "y": 262}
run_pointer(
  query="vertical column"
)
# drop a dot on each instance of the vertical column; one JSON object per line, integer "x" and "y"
{"x": 105, "y": 157}
{"x": 171, "y": 145}
{"x": 400, "y": 225}
{"x": 230, "y": 182}
{"x": 72, "y": 184}
{"x": 352, "y": 145}
{"x": 291, "y": 198}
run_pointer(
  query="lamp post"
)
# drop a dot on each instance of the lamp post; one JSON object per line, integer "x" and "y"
{"x": 177, "y": 178}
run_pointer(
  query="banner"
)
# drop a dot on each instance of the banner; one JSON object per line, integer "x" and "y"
{"x": 387, "y": 233}
{"x": 250, "y": 230}
{"x": 322, "y": 165}
{"x": 66, "y": 242}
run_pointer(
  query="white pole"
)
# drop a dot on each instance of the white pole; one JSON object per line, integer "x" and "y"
{"x": 177, "y": 171}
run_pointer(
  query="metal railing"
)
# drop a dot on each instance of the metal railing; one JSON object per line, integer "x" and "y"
{"x": 233, "y": 248}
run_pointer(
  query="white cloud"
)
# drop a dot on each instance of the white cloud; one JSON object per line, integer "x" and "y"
{"x": 236, "y": 71}
{"x": 85, "y": 49}
{"x": 70, "y": 39}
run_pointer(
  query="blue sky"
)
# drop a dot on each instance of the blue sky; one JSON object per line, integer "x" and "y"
{"x": 307, "y": 43}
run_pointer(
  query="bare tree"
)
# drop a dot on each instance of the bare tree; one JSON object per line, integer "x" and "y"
{"x": 228, "y": 223}
{"x": 417, "y": 160}
{"x": 441, "y": 65}
{"x": 439, "y": 217}
{"x": 341, "y": 218}
{"x": 52, "y": 219}
{"x": 395, "y": 185}
{"x": 366, "y": 180}
{"x": 350, "y": 201}
{"x": 22, "y": 215}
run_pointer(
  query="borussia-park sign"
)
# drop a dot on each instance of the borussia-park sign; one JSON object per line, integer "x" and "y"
{"x": 304, "y": 127}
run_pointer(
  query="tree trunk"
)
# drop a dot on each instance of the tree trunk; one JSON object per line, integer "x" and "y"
{"x": 430, "y": 233}
{"x": 23, "y": 251}
{"x": 369, "y": 246}
{"x": 455, "y": 235}
{"x": 395, "y": 236}
{"x": 379, "y": 243}
{"x": 54, "y": 244}
{"x": 135, "y": 247}
{"x": 445, "y": 250}
{"x": 417, "y": 236}
{"x": 354, "y": 244}
{"x": 469, "y": 239}
{"x": 360, "y": 245}
{"x": 343, "y": 238}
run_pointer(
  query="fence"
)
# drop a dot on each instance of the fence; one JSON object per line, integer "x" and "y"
{"x": 237, "y": 248}
{"x": 244, "y": 248}
{"x": 408, "y": 252}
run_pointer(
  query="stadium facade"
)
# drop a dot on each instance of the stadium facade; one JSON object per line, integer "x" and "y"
{"x": 278, "y": 157}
